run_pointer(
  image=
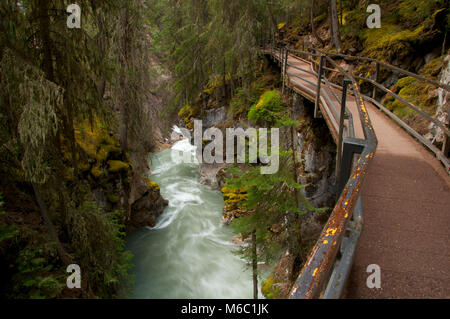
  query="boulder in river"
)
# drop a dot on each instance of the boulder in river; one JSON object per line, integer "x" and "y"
{"x": 146, "y": 202}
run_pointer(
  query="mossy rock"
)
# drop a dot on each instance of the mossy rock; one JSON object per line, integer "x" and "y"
{"x": 95, "y": 141}
{"x": 188, "y": 112}
{"x": 117, "y": 166}
{"x": 433, "y": 68}
{"x": 417, "y": 93}
{"x": 153, "y": 185}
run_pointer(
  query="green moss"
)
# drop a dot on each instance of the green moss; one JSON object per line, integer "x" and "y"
{"x": 391, "y": 41}
{"x": 269, "y": 290}
{"x": 433, "y": 68}
{"x": 406, "y": 24}
{"x": 186, "y": 113}
{"x": 270, "y": 110}
{"x": 153, "y": 185}
{"x": 414, "y": 11}
{"x": 281, "y": 25}
{"x": 95, "y": 141}
{"x": 117, "y": 166}
{"x": 96, "y": 171}
{"x": 413, "y": 91}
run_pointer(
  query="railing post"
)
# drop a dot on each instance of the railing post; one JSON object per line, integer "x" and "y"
{"x": 285, "y": 62}
{"x": 350, "y": 147}
{"x": 319, "y": 83}
{"x": 280, "y": 56}
{"x": 377, "y": 74}
{"x": 341, "y": 128}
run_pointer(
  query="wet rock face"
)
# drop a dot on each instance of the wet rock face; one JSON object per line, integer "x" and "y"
{"x": 208, "y": 175}
{"x": 214, "y": 117}
{"x": 435, "y": 134}
{"x": 316, "y": 156}
{"x": 146, "y": 203}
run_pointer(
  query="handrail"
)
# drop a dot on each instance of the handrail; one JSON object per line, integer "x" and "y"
{"x": 443, "y": 154}
{"x": 386, "y": 65}
{"x": 316, "y": 271}
{"x": 438, "y": 123}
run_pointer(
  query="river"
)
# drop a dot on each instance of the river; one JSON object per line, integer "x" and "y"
{"x": 189, "y": 253}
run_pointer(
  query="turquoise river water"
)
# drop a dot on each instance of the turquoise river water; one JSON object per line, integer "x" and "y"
{"x": 189, "y": 253}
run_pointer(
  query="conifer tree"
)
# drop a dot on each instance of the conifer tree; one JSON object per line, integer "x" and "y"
{"x": 269, "y": 200}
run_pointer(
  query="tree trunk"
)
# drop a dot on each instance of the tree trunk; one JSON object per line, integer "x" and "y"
{"x": 255, "y": 266}
{"x": 44, "y": 26}
{"x": 101, "y": 48}
{"x": 123, "y": 82}
{"x": 335, "y": 25}
{"x": 313, "y": 28}
{"x": 272, "y": 18}
{"x": 51, "y": 229}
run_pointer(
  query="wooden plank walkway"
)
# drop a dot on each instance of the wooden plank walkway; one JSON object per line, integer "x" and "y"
{"x": 406, "y": 205}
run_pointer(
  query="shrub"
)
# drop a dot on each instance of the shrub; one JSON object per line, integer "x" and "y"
{"x": 269, "y": 110}
{"x": 99, "y": 244}
{"x": 5, "y": 231}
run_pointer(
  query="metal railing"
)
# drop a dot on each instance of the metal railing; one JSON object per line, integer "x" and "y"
{"x": 443, "y": 153}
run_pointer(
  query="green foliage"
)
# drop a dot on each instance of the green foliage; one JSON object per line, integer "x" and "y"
{"x": 210, "y": 39}
{"x": 269, "y": 290}
{"x": 270, "y": 110}
{"x": 33, "y": 121}
{"x": 245, "y": 97}
{"x": 53, "y": 82}
{"x": 35, "y": 268}
{"x": 98, "y": 242}
{"x": 6, "y": 232}
{"x": 268, "y": 200}
{"x": 35, "y": 276}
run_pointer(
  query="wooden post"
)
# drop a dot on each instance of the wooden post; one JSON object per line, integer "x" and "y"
{"x": 341, "y": 128}
{"x": 377, "y": 74}
{"x": 319, "y": 83}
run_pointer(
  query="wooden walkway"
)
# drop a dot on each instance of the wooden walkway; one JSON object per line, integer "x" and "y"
{"x": 406, "y": 206}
